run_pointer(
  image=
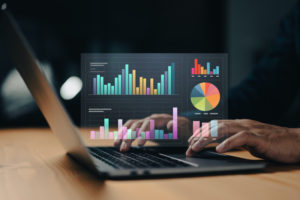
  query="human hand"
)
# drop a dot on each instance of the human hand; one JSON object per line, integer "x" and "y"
{"x": 262, "y": 140}
{"x": 161, "y": 121}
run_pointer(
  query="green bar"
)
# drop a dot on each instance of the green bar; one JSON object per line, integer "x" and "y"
{"x": 158, "y": 88}
{"x": 120, "y": 82}
{"x": 112, "y": 90}
{"x": 169, "y": 80}
{"x": 156, "y": 136}
{"x": 108, "y": 88}
{"x": 162, "y": 81}
{"x": 115, "y": 134}
{"x": 116, "y": 85}
{"x": 105, "y": 89}
{"x": 128, "y": 133}
{"x": 143, "y": 135}
{"x": 133, "y": 134}
{"x": 126, "y": 78}
{"x": 130, "y": 84}
{"x": 98, "y": 84}
{"x": 106, "y": 127}
{"x": 101, "y": 85}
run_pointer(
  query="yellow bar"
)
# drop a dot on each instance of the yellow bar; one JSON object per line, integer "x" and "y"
{"x": 151, "y": 86}
{"x": 202, "y": 70}
{"x": 137, "y": 90}
{"x": 155, "y": 91}
{"x": 145, "y": 86}
{"x": 205, "y": 72}
{"x": 141, "y": 85}
{"x": 133, "y": 82}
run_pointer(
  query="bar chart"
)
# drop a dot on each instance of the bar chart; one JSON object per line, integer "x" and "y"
{"x": 127, "y": 82}
{"x": 199, "y": 69}
{"x": 208, "y": 129}
{"x": 125, "y": 133}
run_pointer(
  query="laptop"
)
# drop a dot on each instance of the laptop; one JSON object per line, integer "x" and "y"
{"x": 108, "y": 162}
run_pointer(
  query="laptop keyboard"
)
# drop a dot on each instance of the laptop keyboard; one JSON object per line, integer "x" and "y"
{"x": 135, "y": 158}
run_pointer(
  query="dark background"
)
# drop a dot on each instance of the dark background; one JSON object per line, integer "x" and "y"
{"x": 60, "y": 30}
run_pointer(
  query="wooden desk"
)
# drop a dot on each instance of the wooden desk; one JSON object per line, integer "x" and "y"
{"x": 33, "y": 165}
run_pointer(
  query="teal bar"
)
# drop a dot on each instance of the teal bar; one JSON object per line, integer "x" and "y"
{"x": 173, "y": 78}
{"x": 143, "y": 135}
{"x": 158, "y": 88}
{"x": 112, "y": 90}
{"x": 169, "y": 80}
{"x": 105, "y": 89}
{"x": 156, "y": 134}
{"x": 161, "y": 134}
{"x": 133, "y": 134}
{"x": 129, "y": 134}
{"x": 126, "y": 78}
{"x": 116, "y": 85}
{"x": 120, "y": 82}
{"x": 98, "y": 84}
{"x": 108, "y": 88}
{"x": 130, "y": 84}
{"x": 106, "y": 127}
{"x": 101, "y": 85}
{"x": 162, "y": 81}
{"x": 170, "y": 135}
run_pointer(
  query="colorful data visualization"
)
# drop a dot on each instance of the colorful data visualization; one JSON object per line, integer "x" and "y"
{"x": 205, "y": 96}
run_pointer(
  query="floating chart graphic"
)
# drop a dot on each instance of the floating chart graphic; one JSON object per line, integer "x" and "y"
{"x": 205, "y": 96}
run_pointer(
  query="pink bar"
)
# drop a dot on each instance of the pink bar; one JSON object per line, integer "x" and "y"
{"x": 148, "y": 91}
{"x": 124, "y": 134}
{"x": 138, "y": 132}
{"x": 211, "y": 72}
{"x": 175, "y": 113}
{"x": 166, "y": 136}
{"x": 205, "y": 129}
{"x": 92, "y": 135}
{"x": 147, "y": 134}
{"x": 111, "y": 135}
{"x": 152, "y": 126}
{"x": 120, "y": 128}
{"x": 101, "y": 132}
{"x": 193, "y": 71}
{"x": 196, "y": 126}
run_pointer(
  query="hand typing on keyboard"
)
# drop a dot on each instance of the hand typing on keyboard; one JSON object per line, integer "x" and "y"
{"x": 161, "y": 121}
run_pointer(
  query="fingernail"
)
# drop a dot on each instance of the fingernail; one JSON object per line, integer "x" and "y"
{"x": 220, "y": 148}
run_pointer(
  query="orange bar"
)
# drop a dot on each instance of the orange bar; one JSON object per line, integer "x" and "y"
{"x": 137, "y": 90}
{"x": 199, "y": 69}
{"x": 205, "y": 71}
{"x": 145, "y": 86}
{"x": 133, "y": 81}
{"x": 196, "y": 65}
{"x": 151, "y": 86}
{"x": 141, "y": 85}
{"x": 202, "y": 70}
{"x": 155, "y": 91}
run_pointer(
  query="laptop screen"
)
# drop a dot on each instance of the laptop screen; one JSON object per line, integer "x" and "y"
{"x": 166, "y": 96}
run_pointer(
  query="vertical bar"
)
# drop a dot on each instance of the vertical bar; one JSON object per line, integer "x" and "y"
{"x": 108, "y": 88}
{"x": 141, "y": 85}
{"x": 115, "y": 135}
{"x": 156, "y": 134}
{"x": 144, "y": 86}
{"x": 137, "y": 91}
{"x": 192, "y": 71}
{"x": 92, "y": 135}
{"x": 152, "y": 126}
{"x": 133, "y": 134}
{"x": 129, "y": 134}
{"x": 166, "y": 82}
{"x": 148, "y": 91}
{"x": 196, "y": 65}
{"x": 166, "y": 136}
{"x": 151, "y": 86}
{"x": 158, "y": 88}
{"x": 208, "y": 67}
{"x": 175, "y": 113}
{"x": 111, "y": 135}
{"x": 214, "y": 128}
{"x": 196, "y": 126}
{"x": 199, "y": 69}
{"x": 123, "y": 82}
{"x": 126, "y": 78}
{"x": 106, "y": 127}
{"x": 155, "y": 91}
{"x": 116, "y": 86}
{"x": 161, "y": 134}
{"x": 162, "y": 81}
{"x": 143, "y": 136}
{"x": 205, "y": 129}
{"x": 202, "y": 70}
{"x": 130, "y": 84}
{"x": 101, "y": 85}
{"x": 169, "y": 80}
{"x": 112, "y": 90}
{"x": 94, "y": 86}
{"x": 120, "y": 128}
{"x": 98, "y": 84}
{"x": 138, "y": 132}
{"x": 105, "y": 89}
{"x": 217, "y": 70}
{"x": 101, "y": 132}
{"x": 124, "y": 132}
{"x": 170, "y": 136}
{"x": 133, "y": 81}
{"x": 173, "y": 78}
{"x": 147, "y": 134}
{"x": 120, "y": 84}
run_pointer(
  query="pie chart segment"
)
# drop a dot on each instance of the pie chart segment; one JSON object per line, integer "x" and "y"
{"x": 205, "y": 96}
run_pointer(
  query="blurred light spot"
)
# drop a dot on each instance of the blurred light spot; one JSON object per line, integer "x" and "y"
{"x": 3, "y": 6}
{"x": 70, "y": 88}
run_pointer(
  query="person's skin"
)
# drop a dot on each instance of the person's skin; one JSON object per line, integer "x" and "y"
{"x": 261, "y": 140}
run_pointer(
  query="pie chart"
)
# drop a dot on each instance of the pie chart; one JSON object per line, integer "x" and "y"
{"x": 205, "y": 96}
